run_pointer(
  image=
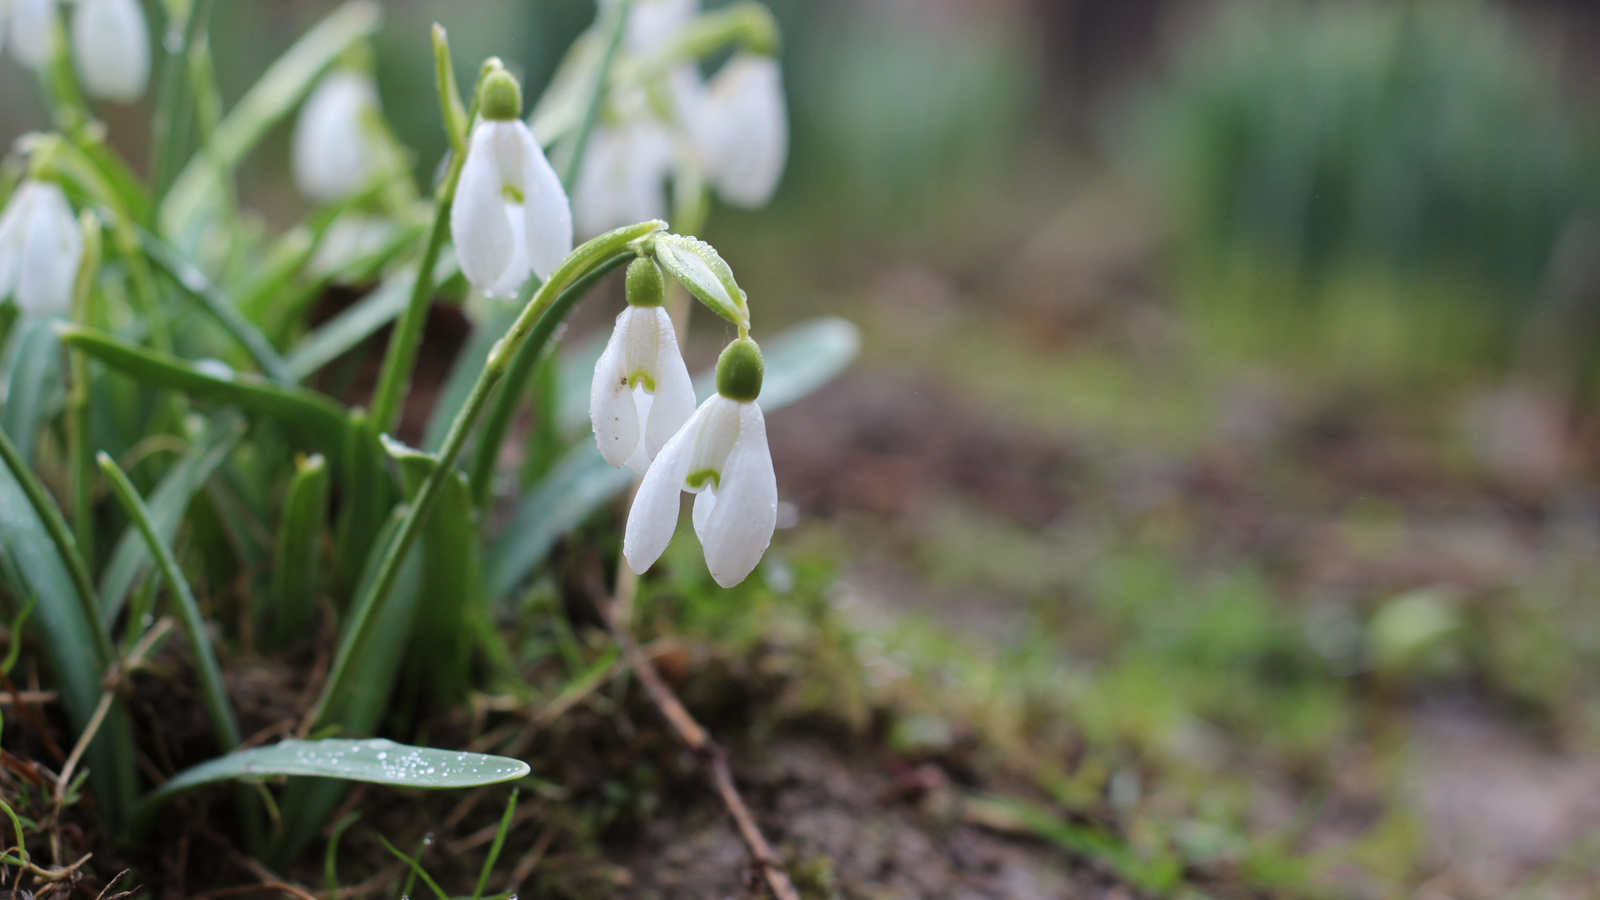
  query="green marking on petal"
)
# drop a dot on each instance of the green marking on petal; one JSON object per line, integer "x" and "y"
{"x": 643, "y": 378}
{"x": 511, "y": 193}
{"x": 699, "y": 479}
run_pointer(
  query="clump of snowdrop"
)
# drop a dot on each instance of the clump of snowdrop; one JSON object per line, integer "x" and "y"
{"x": 511, "y": 215}
{"x": 40, "y": 248}
{"x": 334, "y": 152}
{"x": 641, "y": 394}
{"x": 721, "y": 456}
{"x": 111, "y": 42}
{"x": 730, "y": 132}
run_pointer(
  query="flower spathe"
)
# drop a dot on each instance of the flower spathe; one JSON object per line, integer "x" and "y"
{"x": 40, "y": 248}
{"x": 720, "y": 454}
{"x": 740, "y": 126}
{"x": 641, "y": 394}
{"x": 111, "y": 42}
{"x": 510, "y": 214}
{"x": 333, "y": 154}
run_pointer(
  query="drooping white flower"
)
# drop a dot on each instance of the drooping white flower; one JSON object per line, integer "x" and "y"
{"x": 111, "y": 42}
{"x": 511, "y": 214}
{"x": 333, "y": 154}
{"x": 740, "y": 127}
{"x": 653, "y": 23}
{"x": 40, "y": 248}
{"x": 720, "y": 454}
{"x": 623, "y": 177}
{"x": 641, "y": 393}
{"x": 32, "y": 28}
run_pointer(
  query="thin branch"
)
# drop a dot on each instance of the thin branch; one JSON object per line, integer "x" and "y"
{"x": 710, "y": 753}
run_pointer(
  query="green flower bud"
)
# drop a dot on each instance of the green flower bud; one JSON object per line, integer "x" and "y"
{"x": 739, "y": 371}
{"x": 646, "y": 287}
{"x": 500, "y": 98}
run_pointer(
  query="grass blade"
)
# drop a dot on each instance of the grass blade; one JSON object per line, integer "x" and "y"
{"x": 220, "y": 709}
{"x": 316, "y": 416}
{"x": 296, "y": 561}
{"x": 497, "y": 846}
{"x": 131, "y": 558}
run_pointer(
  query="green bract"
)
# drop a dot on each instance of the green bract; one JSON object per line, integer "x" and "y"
{"x": 697, "y": 265}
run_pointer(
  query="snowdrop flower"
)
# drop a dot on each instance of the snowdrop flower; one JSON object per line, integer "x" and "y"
{"x": 653, "y": 23}
{"x": 32, "y": 28}
{"x": 720, "y": 454}
{"x": 740, "y": 128}
{"x": 333, "y": 154}
{"x": 40, "y": 248}
{"x": 623, "y": 177}
{"x": 641, "y": 394}
{"x": 112, "y": 45}
{"x": 510, "y": 214}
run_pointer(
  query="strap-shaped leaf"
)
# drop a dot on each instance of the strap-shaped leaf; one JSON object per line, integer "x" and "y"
{"x": 702, "y": 270}
{"x": 34, "y": 380}
{"x": 375, "y": 761}
{"x": 316, "y": 415}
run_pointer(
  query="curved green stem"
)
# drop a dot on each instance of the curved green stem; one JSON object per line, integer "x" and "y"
{"x": 481, "y": 471}
{"x": 364, "y": 615}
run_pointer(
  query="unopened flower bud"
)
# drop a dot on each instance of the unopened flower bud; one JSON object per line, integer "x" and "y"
{"x": 500, "y": 98}
{"x": 739, "y": 371}
{"x": 646, "y": 287}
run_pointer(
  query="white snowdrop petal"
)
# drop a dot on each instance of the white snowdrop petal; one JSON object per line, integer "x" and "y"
{"x": 32, "y": 31}
{"x": 714, "y": 438}
{"x": 12, "y": 232}
{"x": 332, "y": 156}
{"x": 479, "y": 223}
{"x": 547, "y": 213}
{"x": 705, "y": 503}
{"x": 744, "y": 130}
{"x": 51, "y": 249}
{"x": 639, "y": 462}
{"x": 612, "y": 412}
{"x": 622, "y": 180}
{"x": 516, "y": 271}
{"x": 111, "y": 43}
{"x": 739, "y": 527}
{"x": 674, "y": 394}
{"x": 654, "y": 516}
{"x": 653, "y": 23}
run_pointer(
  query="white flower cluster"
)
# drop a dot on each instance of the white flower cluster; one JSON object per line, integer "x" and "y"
{"x": 110, "y": 42}
{"x": 733, "y": 130}
{"x": 40, "y": 249}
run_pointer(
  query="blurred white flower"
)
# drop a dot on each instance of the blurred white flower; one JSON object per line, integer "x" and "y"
{"x": 32, "y": 29}
{"x": 333, "y": 154}
{"x": 40, "y": 248}
{"x": 111, "y": 43}
{"x": 720, "y": 454}
{"x": 740, "y": 128}
{"x": 511, "y": 214}
{"x": 641, "y": 394}
{"x": 623, "y": 179}
{"x": 653, "y": 23}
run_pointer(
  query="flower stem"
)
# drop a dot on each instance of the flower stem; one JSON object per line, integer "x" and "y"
{"x": 597, "y": 96}
{"x": 365, "y": 613}
{"x": 169, "y": 128}
{"x": 394, "y": 379}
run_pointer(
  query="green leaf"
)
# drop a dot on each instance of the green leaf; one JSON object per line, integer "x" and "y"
{"x": 34, "y": 385}
{"x": 799, "y": 360}
{"x": 168, "y": 502}
{"x": 701, "y": 269}
{"x": 312, "y": 414}
{"x": 70, "y": 647}
{"x": 215, "y": 693}
{"x": 296, "y": 562}
{"x": 219, "y": 305}
{"x": 271, "y": 99}
{"x": 367, "y": 493}
{"x": 374, "y": 761}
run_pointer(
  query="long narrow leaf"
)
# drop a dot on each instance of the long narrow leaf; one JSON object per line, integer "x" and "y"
{"x": 131, "y": 558}
{"x": 215, "y": 693}
{"x": 375, "y": 761}
{"x": 33, "y": 385}
{"x": 317, "y": 416}
{"x": 296, "y": 560}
